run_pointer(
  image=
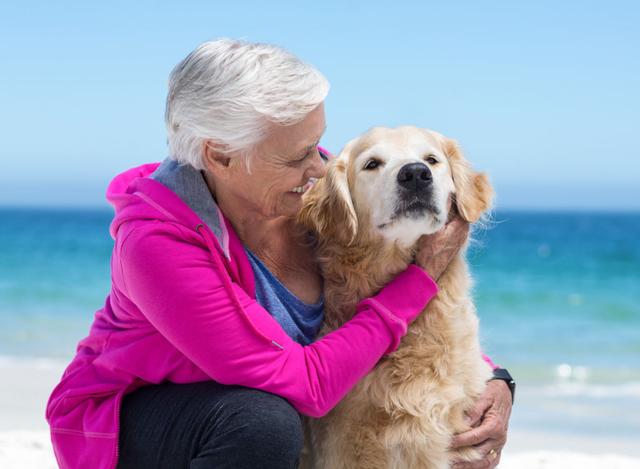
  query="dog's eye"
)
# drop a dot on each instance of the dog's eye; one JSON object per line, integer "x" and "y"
{"x": 431, "y": 159}
{"x": 372, "y": 164}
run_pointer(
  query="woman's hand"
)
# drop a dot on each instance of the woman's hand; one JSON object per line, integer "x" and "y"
{"x": 437, "y": 250}
{"x": 489, "y": 418}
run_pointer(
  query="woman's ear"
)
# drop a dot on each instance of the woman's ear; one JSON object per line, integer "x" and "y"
{"x": 214, "y": 159}
{"x": 473, "y": 192}
{"x": 327, "y": 207}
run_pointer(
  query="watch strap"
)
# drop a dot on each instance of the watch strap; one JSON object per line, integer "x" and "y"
{"x": 503, "y": 375}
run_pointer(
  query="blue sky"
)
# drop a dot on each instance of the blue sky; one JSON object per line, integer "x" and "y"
{"x": 544, "y": 96}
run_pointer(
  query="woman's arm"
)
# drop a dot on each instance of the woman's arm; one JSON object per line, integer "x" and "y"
{"x": 185, "y": 293}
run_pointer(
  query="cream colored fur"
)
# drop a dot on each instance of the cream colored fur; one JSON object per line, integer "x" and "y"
{"x": 405, "y": 411}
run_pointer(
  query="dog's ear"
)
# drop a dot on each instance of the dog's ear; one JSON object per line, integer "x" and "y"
{"x": 473, "y": 192}
{"x": 327, "y": 208}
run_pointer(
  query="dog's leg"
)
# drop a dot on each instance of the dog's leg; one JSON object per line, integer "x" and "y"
{"x": 341, "y": 443}
{"x": 413, "y": 444}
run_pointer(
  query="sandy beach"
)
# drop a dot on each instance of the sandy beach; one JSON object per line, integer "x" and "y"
{"x": 25, "y": 444}
{"x": 32, "y": 450}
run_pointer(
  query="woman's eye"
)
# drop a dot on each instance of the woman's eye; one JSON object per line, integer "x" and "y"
{"x": 431, "y": 160}
{"x": 372, "y": 164}
{"x": 302, "y": 160}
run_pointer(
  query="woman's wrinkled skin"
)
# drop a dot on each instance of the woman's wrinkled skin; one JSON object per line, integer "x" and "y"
{"x": 490, "y": 419}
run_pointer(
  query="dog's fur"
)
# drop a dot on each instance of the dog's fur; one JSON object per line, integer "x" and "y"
{"x": 405, "y": 411}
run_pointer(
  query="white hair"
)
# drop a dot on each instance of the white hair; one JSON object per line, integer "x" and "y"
{"x": 228, "y": 91}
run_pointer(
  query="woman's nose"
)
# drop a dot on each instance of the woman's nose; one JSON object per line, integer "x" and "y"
{"x": 318, "y": 166}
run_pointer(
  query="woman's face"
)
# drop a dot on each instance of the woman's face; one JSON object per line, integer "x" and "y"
{"x": 281, "y": 169}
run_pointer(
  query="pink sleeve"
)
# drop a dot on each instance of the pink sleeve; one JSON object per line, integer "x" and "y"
{"x": 182, "y": 290}
{"x": 490, "y": 362}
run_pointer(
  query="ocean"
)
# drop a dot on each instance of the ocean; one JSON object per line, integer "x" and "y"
{"x": 558, "y": 295}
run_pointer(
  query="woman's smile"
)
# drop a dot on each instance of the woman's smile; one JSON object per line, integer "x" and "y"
{"x": 299, "y": 190}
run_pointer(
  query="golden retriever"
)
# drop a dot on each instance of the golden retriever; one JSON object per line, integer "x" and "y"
{"x": 386, "y": 189}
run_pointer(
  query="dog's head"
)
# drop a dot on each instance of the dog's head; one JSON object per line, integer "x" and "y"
{"x": 394, "y": 183}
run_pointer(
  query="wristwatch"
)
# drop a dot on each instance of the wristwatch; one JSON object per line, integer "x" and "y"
{"x": 503, "y": 375}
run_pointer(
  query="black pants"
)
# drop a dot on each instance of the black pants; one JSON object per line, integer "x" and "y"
{"x": 208, "y": 425}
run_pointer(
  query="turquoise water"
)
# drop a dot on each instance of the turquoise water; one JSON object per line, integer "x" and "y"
{"x": 558, "y": 295}
{"x": 54, "y": 273}
{"x": 561, "y": 288}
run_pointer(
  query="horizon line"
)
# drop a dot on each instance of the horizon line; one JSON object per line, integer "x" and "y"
{"x": 510, "y": 208}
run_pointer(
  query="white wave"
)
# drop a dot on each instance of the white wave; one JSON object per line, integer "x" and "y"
{"x": 598, "y": 391}
{"x": 566, "y": 371}
{"x": 33, "y": 363}
{"x": 566, "y": 460}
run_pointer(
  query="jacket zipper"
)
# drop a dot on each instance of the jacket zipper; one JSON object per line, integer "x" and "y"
{"x": 227, "y": 283}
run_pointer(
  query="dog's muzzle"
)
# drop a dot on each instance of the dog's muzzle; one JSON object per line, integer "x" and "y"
{"x": 415, "y": 183}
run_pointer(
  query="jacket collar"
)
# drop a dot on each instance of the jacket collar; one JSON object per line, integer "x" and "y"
{"x": 189, "y": 184}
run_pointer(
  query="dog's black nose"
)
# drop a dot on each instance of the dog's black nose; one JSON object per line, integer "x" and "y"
{"x": 415, "y": 176}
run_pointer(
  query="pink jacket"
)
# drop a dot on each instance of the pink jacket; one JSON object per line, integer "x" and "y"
{"x": 182, "y": 308}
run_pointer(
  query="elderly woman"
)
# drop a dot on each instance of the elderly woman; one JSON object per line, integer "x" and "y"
{"x": 203, "y": 355}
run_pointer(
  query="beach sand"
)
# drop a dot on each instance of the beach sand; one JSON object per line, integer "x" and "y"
{"x": 25, "y": 444}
